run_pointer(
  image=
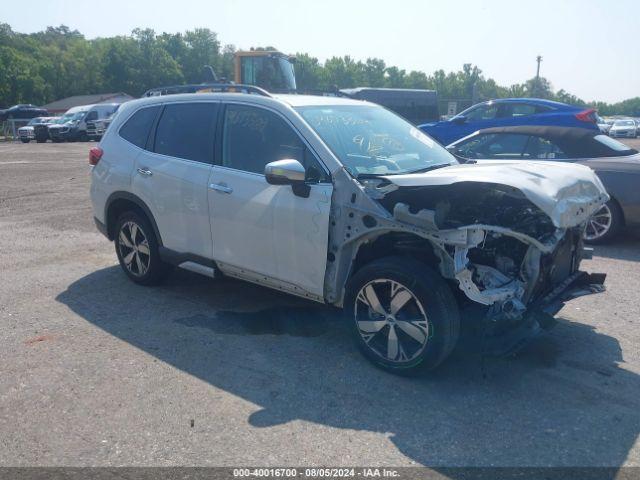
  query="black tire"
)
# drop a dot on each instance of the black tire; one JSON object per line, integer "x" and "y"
{"x": 24, "y": 140}
{"x": 617, "y": 222}
{"x": 431, "y": 297}
{"x": 154, "y": 270}
{"x": 40, "y": 140}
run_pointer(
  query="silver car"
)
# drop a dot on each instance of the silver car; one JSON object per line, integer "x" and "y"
{"x": 343, "y": 202}
{"x": 625, "y": 128}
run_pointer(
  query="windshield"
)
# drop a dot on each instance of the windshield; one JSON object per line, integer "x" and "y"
{"x": 370, "y": 140}
{"x": 625, "y": 123}
{"x": 71, "y": 117}
{"x": 272, "y": 72}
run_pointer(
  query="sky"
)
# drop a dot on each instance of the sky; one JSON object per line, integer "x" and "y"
{"x": 590, "y": 48}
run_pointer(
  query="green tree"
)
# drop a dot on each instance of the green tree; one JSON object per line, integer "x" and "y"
{"x": 59, "y": 62}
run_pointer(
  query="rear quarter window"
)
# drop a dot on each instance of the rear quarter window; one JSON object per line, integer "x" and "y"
{"x": 614, "y": 147}
{"x": 136, "y": 129}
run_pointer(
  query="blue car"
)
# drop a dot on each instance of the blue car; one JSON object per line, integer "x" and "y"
{"x": 508, "y": 112}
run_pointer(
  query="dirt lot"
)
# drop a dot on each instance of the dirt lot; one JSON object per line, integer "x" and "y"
{"x": 98, "y": 371}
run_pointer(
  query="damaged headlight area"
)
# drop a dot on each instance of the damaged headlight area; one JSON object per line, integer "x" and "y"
{"x": 502, "y": 250}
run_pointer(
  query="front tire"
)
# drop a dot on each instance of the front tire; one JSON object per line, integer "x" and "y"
{"x": 402, "y": 314}
{"x": 604, "y": 225}
{"x": 137, "y": 250}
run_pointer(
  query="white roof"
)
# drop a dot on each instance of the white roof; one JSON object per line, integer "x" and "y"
{"x": 290, "y": 100}
{"x": 308, "y": 100}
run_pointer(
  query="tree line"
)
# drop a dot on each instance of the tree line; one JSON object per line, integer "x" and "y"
{"x": 59, "y": 62}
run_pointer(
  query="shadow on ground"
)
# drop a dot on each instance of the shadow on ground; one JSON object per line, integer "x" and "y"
{"x": 624, "y": 247}
{"x": 564, "y": 401}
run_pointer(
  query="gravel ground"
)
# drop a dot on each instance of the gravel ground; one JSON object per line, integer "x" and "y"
{"x": 99, "y": 371}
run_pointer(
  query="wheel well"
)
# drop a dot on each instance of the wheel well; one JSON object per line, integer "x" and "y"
{"x": 395, "y": 243}
{"x": 125, "y": 204}
{"x": 620, "y": 211}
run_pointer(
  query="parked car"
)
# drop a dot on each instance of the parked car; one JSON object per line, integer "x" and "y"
{"x": 27, "y": 133}
{"x": 603, "y": 124}
{"x": 510, "y": 112}
{"x": 343, "y": 202}
{"x": 23, "y": 112}
{"x": 624, "y": 128}
{"x": 616, "y": 164}
{"x": 96, "y": 128}
{"x": 41, "y": 130}
{"x": 74, "y": 126}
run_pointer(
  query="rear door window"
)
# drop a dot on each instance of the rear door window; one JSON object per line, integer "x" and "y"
{"x": 539, "y": 148}
{"x": 519, "y": 110}
{"x": 136, "y": 129}
{"x": 186, "y": 130}
{"x": 484, "y": 112}
{"x": 508, "y": 146}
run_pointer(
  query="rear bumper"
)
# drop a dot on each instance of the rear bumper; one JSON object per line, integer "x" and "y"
{"x": 539, "y": 315}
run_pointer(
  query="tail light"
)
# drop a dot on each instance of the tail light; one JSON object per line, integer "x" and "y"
{"x": 95, "y": 154}
{"x": 588, "y": 115}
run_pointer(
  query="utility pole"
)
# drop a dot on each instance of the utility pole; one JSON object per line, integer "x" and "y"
{"x": 537, "y": 88}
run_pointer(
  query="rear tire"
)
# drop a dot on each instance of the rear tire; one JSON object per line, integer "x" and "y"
{"x": 604, "y": 225}
{"x": 403, "y": 315}
{"x": 137, "y": 249}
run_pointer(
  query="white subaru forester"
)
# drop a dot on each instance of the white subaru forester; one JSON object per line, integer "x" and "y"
{"x": 343, "y": 202}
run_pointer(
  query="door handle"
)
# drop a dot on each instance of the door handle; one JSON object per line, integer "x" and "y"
{"x": 145, "y": 171}
{"x": 220, "y": 187}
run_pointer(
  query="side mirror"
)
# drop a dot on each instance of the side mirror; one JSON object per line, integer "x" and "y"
{"x": 287, "y": 172}
{"x": 459, "y": 120}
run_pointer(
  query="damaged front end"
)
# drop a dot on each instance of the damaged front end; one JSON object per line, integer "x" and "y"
{"x": 509, "y": 237}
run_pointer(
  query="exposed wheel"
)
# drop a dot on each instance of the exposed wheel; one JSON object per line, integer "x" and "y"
{"x": 137, "y": 249}
{"x": 24, "y": 140}
{"x": 403, "y": 315}
{"x": 604, "y": 225}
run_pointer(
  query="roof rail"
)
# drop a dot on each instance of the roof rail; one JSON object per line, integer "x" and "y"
{"x": 212, "y": 87}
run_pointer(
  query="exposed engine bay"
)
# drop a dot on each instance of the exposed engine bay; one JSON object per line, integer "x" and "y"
{"x": 508, "y": 246}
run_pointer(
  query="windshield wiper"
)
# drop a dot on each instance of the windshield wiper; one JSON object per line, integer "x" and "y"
{"x": 428, "y": 169}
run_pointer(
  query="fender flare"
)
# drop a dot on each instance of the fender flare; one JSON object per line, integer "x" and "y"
{"x": 120, "y": 195}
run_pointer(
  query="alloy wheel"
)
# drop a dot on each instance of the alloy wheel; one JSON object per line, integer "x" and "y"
{"x": 134, "y": 248}
{"x": 391, "y": 320}
{"x": 599, "y": 224}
